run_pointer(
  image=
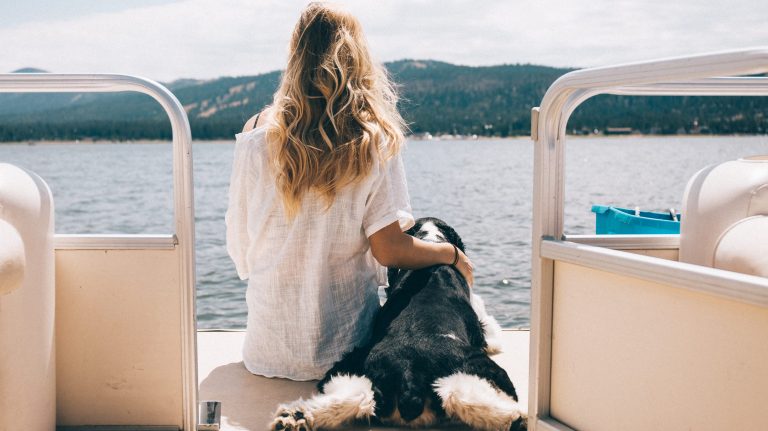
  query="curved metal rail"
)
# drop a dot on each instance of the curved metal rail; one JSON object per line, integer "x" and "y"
{"x": 183, "y": 194}
{"x": 716, "y": 74}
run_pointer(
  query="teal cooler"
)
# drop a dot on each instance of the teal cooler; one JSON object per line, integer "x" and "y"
{"x": 623, "y": 221}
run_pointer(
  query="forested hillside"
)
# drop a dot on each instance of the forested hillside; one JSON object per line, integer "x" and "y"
{"x": 437, "y": 98}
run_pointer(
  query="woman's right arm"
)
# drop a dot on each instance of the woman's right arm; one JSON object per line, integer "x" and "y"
{"x": 393, "y": 248}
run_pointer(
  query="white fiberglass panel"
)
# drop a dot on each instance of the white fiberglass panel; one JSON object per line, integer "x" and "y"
{"x": 117, "y": 337}
{"x": 631, "y": 354}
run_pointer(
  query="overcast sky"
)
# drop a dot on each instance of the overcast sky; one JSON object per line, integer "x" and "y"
{"x": 170, "y": 39}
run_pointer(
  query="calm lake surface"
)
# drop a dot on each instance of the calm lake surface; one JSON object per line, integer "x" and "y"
{"x": 482, "y": 188}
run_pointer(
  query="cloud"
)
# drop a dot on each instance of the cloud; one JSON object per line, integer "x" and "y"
{"x": 193, "y": 38}
{"x": 206, "y": 38}
{"x": 563, "y": 32}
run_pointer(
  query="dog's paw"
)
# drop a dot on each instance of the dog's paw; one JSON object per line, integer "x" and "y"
{"x": 289, "y": 418}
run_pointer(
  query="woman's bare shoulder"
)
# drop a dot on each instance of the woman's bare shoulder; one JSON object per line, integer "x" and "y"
{"x": 258, "y": 120}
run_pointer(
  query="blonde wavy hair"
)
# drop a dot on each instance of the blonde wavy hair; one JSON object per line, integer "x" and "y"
{"x": 334, "y": 114}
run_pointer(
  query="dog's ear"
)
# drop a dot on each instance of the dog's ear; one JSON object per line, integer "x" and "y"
{"x": 393, "y": 275}
{"x": 415, "y": 228}
{"x": 449, "y": 233}
{"x": 453, "y": 237}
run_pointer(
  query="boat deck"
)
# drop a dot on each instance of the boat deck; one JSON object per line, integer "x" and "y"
{"x": 247, "y": 401}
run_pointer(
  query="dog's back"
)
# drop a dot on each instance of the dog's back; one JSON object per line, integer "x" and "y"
{"x": 425, "y": 331}
{"x": 427, "y": 358}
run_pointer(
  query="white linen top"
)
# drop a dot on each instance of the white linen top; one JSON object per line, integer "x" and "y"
{"x": 312, "y": 281}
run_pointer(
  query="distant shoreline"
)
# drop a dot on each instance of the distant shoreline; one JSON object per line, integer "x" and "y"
{"x": 410, "y": 138}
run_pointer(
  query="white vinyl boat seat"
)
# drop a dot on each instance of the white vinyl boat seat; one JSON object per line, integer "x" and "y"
{"x": 726, "y": 217}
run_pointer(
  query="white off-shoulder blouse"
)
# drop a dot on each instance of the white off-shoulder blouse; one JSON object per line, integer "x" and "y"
{"x": 312, "y": 281}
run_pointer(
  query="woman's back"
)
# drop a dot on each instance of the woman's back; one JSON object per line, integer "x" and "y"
{"x": 310, "y": 266}
{"x": 316, "y": 192}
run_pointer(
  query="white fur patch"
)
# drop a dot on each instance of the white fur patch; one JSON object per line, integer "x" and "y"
{"x": 491, "y": 328}
{"x": 345, "y": 399}
{"x": 476, "y": 402}
{"x": 345, "y": 386}
{"x": 433, "y": 233}
{"x": 452, "y": 336}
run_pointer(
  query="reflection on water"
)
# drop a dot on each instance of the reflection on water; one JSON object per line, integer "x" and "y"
{"x": 482, "y": 188}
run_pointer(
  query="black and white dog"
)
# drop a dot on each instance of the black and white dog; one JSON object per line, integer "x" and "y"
{"x": 427, "y": 360}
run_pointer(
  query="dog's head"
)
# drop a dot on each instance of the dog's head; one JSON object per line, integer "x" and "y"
{"x": 435, "y": 230}
{"x": 428, "y": 229}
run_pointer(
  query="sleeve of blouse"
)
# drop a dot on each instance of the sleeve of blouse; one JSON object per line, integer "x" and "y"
{"x": 236, "y": 218}
{"x": 388, "y": 201}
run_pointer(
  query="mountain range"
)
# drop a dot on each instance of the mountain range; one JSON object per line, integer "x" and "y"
{"x": 436, "y": 98}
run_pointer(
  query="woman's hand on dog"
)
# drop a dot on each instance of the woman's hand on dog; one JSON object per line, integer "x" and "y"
{"x": 465, "y": 267}
{"x": 393, "y": 248}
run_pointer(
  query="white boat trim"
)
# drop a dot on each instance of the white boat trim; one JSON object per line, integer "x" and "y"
{"x": 730, "y": 285}
{"x": 718, "y": 86}
{"x": 549, "y": 424}
{"x": 692, "y": 75}
{"x": 183, "y": 193}
{"x": 115, "y": 242}
{"x": 628, "y": 242}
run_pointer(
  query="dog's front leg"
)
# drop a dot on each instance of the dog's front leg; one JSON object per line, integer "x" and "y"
{"x": 292, "y": 417}
{"x": 344, "y": 399}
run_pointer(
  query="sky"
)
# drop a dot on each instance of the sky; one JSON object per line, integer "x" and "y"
{"x": 171, "y": 39}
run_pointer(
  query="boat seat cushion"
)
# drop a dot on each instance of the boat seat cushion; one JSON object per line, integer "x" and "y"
{"x": 743, "y": 247}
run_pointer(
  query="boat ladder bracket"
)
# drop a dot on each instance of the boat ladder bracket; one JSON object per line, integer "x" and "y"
{"x": 209, "y": 416}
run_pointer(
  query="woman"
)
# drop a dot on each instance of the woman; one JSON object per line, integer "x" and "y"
{"x": 318, "y": 202}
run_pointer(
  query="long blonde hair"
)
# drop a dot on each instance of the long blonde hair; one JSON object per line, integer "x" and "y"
{"x": 334, "y": 114}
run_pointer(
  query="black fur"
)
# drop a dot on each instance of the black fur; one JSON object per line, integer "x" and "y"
{"x": 407, "y": 352}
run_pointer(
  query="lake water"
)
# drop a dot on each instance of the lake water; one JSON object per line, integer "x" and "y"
{"x": 482, "y": 188}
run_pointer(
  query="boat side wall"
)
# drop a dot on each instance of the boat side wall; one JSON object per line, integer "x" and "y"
{"x": 633, "y": 354}
{"x": 119, "y": 350}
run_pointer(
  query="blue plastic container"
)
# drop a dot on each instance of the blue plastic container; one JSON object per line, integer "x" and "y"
{"x": 617, "y": 221}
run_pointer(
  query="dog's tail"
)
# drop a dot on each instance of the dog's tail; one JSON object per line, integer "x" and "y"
{"x": 345, "y": 398}
{"x": 476, "y": 402}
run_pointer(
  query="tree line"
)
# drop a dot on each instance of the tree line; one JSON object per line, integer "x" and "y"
{"x": 436, "y": 98}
